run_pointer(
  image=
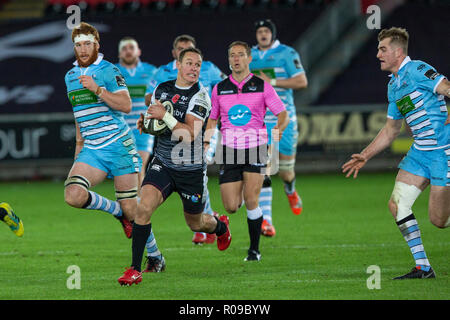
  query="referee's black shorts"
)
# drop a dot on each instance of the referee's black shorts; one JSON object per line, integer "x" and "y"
{"x": 238, "y": 161}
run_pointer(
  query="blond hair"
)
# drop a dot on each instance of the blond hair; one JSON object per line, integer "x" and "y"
{"x": 398, "y": 36}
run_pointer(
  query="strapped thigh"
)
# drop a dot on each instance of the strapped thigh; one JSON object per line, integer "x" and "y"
{"x": 287, "y": 165}
{"x": 126, "y": 194}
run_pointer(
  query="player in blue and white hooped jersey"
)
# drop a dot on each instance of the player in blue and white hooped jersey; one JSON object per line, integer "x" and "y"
{"x": 104, "y": 145}
{"x": 280, "y": 65}
{"x": 210, "y": 75}
{"x": 138, "y": 76}
{"x": 416, "y": 94}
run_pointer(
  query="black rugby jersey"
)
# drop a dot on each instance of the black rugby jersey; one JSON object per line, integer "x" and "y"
{"x": 195, "y": 101}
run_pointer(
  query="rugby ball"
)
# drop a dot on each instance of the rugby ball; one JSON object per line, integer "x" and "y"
{"x": 154, "y": 126}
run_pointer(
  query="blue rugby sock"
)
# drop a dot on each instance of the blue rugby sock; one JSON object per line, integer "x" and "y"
{"x": 97, "y": 202}
{"x": 152, "y": 247}
{"x": 265, "y": 203}
{"x": 289, "y": 187}
{"x": 411, "y": 233}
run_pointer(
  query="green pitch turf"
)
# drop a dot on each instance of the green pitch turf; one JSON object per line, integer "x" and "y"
{"x": 324, "y": 253}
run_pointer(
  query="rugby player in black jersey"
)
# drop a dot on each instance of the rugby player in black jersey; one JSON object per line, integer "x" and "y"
{"x": 178, "y": 163}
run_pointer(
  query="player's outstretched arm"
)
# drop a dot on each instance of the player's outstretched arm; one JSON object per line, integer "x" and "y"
{"x": 384, "y": 139}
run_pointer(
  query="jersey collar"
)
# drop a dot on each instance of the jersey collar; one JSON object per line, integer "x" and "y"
{"x": 404, "y": 62}
{"x": 262, "y": 53}
{"x": 274, "y": 45}
{"x": 240, "y": 84}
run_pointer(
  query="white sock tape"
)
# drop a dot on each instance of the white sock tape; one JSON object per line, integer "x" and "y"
{"x": 254, "y": 214}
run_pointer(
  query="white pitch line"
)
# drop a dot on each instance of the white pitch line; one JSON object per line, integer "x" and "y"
{"x": 213, "y": 247}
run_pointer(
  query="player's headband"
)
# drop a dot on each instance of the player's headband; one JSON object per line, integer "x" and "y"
{"x": 125, "y": 42}
{"x": 84, "y": 37}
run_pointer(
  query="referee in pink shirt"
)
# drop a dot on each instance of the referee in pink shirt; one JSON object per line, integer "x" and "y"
{"x": 240, "y": 102}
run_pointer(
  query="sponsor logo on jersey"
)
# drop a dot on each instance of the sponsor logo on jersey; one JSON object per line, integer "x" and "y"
{"x": 239, "y": 115}
{"x": 175, "y": 98}
{"x": 405, "y": 105}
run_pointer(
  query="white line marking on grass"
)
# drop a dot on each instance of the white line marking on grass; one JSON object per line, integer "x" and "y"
{"x": 320, "y": 246}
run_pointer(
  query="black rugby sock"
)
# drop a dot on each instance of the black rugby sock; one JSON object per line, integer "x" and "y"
{"x": 140, "y": 235}
{"x": 221, "y": 228}
{"x": 254, "y": 230}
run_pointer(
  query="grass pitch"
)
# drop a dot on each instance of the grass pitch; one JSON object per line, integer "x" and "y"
{"x": 324, "y": 253}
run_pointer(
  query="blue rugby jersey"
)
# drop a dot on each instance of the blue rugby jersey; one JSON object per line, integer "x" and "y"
{"x": 137, "y": 80}
{"x": 412, "y": 96}
{"x": 210, "y": 75}
{"x": 279, "y": 62}
{"x": 99, "y": 124}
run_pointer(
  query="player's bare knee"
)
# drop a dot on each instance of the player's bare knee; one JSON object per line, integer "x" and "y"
{"x": 438, "y": 222}
{"x": 231, "y": 207}
{"x": 76, "y": 191}
{"x": 438, "y": 218}
{"x": 286, "y": 175}
{"x": 251, "y": 203}
{"x": 129, "y": 208}
{"x": 143, "y": 215}
{"x": 144, "y": 209}
{"x": 75, "y": 197}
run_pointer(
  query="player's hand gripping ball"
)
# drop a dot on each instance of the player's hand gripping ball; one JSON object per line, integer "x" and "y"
{"x": 154, "y": 126}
